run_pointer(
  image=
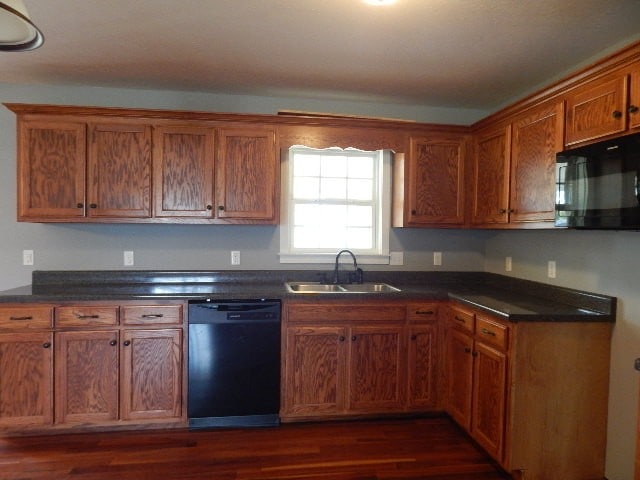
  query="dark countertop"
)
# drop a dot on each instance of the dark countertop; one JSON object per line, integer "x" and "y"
{"x": 512, "y": 299}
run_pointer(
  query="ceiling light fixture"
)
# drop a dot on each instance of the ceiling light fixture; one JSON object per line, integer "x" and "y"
{"x": 17, "y": 31}
{"x": 379, "y": 2}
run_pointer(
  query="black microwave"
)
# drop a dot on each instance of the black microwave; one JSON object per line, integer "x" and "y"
{"x": 597, "y": 185}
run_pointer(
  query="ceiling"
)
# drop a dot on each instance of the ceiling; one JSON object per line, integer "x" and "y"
{"x": 475, "y": 54}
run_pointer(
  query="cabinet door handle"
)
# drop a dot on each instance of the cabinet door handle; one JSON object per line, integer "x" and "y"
{"x": 353, "y": 338}
{"x": 113, "y": 343}
{"x": 424, "y": 312}
{"x": 467, "y": 350}
{"x": 93, "y": 205}
{"x": 78, "y": 315}
{"x": 474, "y": 354}
{"x": 341, "y": 338}
{"x": 126, "y": 343}
{"x": 29, "y": 317}
{"x": 414, "y": 337}
{"x": 502, "y": 210}
{"x": 209, "y": 207}
{"x": 80, "y": 205}
{"x": 616, "y": 114}
{"x": 632, "y": 109}
{"x": 46, "y": 344}
{"x": 153, "y": 315}
{"x": 487, "y": 332}
{"x": 221, "y": 208}
{"x": 458, "y": 319}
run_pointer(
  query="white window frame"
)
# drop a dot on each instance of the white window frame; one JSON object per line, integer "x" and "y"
{"x": 382, "y": 223}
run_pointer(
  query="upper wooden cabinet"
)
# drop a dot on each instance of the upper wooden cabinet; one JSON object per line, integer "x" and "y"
{"x": 514, "y": 169}
{"x": 605, "y": 106}
{"x": 101, "y": 165}
{"x": 429, "y": 184}
{"x": 246, "y": 174}
{"x": 491, "y": 176}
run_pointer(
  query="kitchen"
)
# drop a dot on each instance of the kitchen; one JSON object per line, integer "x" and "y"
{"x": 603, "y": 262}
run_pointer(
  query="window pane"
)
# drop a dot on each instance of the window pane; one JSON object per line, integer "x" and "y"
{"x": 305, "y": 237}
{"x": 305, "y": 214}
{"x": 360, "y": 189}
{"x": 360, "y": 216}
{"x": 334, "y": 166}
{"x": 360, "y": 238}
{"x": 333, "y": 236}
{"x": 306, "y": 165}
{"x": 333, "y": 188}
{"x": 306, "y": 187}
{"x": 331, "y": 215}
{"x": 361, "y": 167}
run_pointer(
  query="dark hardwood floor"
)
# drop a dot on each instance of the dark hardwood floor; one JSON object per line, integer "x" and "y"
{"x": 425, "y": 448}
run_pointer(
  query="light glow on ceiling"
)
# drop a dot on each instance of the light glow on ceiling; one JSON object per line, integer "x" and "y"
{"x": 378, "y": 3}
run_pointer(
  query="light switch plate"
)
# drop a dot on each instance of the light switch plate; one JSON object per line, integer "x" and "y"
{"x": 27, "y": 257}
{"x": 396, "y": 258}
{"x": 508, "y": 264}
{"x": 437, "y": 258}
{"x": 551, "y": 269}
{"x": 128, "y": 258}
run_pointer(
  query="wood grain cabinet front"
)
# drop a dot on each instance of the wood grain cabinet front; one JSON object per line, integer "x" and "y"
{"x": 344, "y": 359}
{"x": 606, "y": 106}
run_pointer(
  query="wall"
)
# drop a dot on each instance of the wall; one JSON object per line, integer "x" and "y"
{"x": 75, "y": 246}
{"x": 597, "y": 261}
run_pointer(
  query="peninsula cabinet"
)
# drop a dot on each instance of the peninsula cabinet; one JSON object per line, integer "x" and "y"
{"x": 605, "y": 106}
{"x": 532, "y": 394}
{"x": 429, "y": 184}
{"x": 88, "y": 365}
{"x": 344, "y": 359}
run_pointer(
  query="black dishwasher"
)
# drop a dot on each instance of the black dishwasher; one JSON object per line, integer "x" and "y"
{"x": 234, "y": 363}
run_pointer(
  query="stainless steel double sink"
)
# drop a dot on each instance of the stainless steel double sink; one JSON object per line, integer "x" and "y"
{"x": 317, "y": 287}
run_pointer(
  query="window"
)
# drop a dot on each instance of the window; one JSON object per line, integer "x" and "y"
{"x": 336, "y": 198}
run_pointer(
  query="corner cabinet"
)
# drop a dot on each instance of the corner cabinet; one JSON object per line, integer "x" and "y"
{"x": 514, "y": 169}
{"x": 130, "y": 166}
{"x": 527, "y": 412}
{"x": 345, "y": 358}
{"x": 429, "y": 184}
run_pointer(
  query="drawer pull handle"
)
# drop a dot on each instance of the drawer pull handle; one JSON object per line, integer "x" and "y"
{"x": 424, "y": 312}
{"x": 153, "y": 315}
{"x": 21, "y": 318}
{"x": 86, "y": 316}
{"x": 458, "y": 319}
{"x": 487, "y": 332}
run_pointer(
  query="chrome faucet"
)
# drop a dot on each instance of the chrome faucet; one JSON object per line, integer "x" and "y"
{"x": 356, "y": 276}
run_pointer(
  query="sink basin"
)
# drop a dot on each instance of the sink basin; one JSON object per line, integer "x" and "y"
{"x": 317, "y": 287}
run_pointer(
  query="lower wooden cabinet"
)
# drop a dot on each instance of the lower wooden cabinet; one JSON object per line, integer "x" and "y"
{"x": 91, "y": 365}
{"x": 346, "y": 359}
{"x": 532, "y": 394}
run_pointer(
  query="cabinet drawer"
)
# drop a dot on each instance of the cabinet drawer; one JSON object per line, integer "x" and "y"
{"x": 151, "y": 314}
{"x": 81, "y": 316}
{"x": 492, "y": 333}
{"x": 344, "y": 312}
{"x": 461, "y": 319}
{"x": 29, "y": 317}
{"x": 422, "y": 312}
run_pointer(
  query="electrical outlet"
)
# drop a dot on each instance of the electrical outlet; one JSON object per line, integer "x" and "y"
{"x": 396, "y": 258}
{"x": 551, "y": 269}
{"x": 27, "y": 257}
{"x": 235, "y": 257}
{"x": 508, "y": 264}
{"x": 128, "y": 258}
{"x": 437, "y": 258}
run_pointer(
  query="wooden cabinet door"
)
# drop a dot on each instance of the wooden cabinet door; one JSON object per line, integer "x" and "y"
{"x": 26, "y": 379}
{"x": 459, "y": 375}
{"x": 423, "y": 366}
{"x": 246, "y": 174}
{"x": 491, "y": 176}
{"x": 376, "y": 369}
{"x": 489, "y": 399}
{"x": 536, "y": 139}
{"x": 596, "y": 109}
{"x": 151, "y": 372}
{"x": 315, "y": 370}
{"x": 436, "y": 180}
{"x": 119, "y": 170}
{"x": 51, "y": 169}
{"x": 183, "y": 171}
{"x": 634, "y": 98}
{"x": 86, "y": 376}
